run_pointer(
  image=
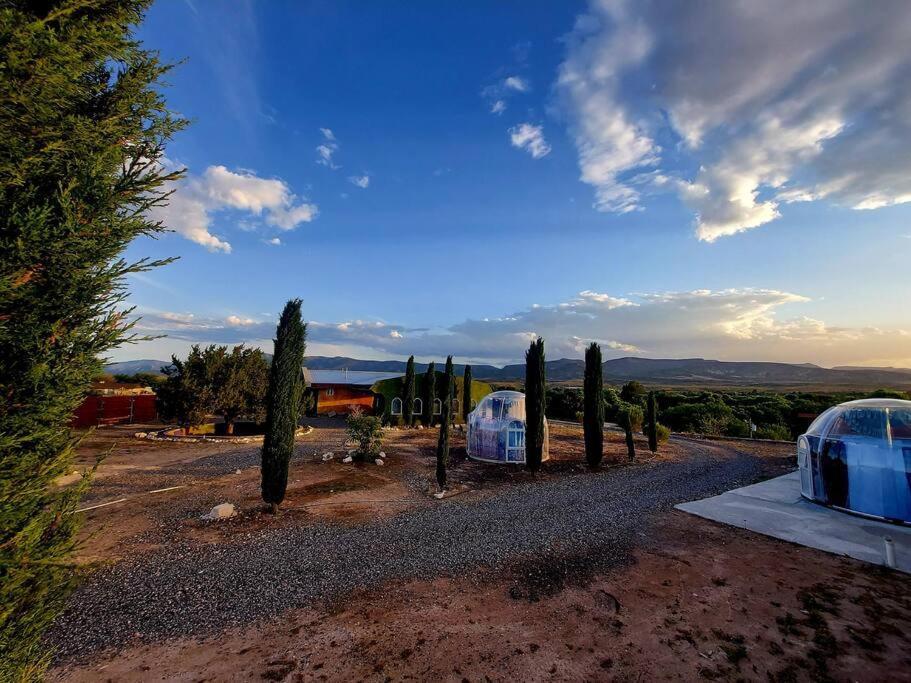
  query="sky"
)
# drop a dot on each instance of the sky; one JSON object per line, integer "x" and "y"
{"x": 669, "y": 179}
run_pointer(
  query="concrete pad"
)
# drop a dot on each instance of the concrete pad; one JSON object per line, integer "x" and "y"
{"x": 776, "y": 508}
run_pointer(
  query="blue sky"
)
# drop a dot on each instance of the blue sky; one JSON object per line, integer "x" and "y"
{"x": 436, "y": 179}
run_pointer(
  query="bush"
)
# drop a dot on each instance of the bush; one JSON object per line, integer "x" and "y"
{"x": 630, "y": 417}
{"x": 737, "y": 428}
{"x": 663, "y": 433}
{"x": 367, "y": 431}
{"x": 778, "y": 432}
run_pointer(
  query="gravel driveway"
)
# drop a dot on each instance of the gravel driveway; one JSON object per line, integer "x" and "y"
{"x": 179, "y": 592}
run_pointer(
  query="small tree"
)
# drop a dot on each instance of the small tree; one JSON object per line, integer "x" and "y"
{"x": 240, "y": 382}
{"x": 283, "y": 403}
{"x": 408, "y": 407}
{"x": 367, "y": 432}
{"x": 633, "y": 392}
{"x": 466, "y": 393}
{"x": 652, "y": 423}
{"x": 535, "y": 389}
{"x": 593, "y": 411}
{"x": 630, "y": 418}
{"x": 430, "y": 378}
{"x": 185, "y": 396}
{"x": 446, "y": 392}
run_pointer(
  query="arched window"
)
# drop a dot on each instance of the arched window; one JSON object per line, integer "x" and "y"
{"x": 455, "y": 406}
{"x": 418, "y": 407}
{"x": 437, "y": 407}
{"x": 396, "y": 406}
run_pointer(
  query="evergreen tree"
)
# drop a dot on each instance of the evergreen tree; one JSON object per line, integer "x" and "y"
{"x": 283, "y": 401}
{"x": 593, "y": 406}
{"x": 630, "y": 418}
{"x": 408, "y": 407}
{"x": 652, "y": 423}
{"x": 466, "y": 393}
{"x": 535, "y": 389}
{"x": 446, "y": 393}
{"x": 83, "y": 127}
{"x": 430, "y": 378}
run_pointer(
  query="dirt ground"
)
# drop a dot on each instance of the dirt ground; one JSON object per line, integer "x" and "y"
{"x": 696, "y": 600}
{"x": 700, "y": 601}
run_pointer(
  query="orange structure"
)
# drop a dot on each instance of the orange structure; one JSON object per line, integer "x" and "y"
{"x": 341, "y": 391}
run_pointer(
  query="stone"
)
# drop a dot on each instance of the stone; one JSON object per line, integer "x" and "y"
{"x": 382, "y": 454}
{"x": 222, "y": 511}
{"x": 348, "y": 458}
{"x": 440, "y": 495}
{"x": 379, "y": 461}
{"x": 328, "y": 455}
{"x": 236, "y": 471}
{"x": 420, "y": 426}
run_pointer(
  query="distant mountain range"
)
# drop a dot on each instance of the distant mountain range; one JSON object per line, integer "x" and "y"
{"x": 692, "y": 372}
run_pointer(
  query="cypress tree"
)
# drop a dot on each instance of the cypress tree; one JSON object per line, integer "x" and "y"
{"x": 286, "y": 384}
{"x": 408, "y": 408}
{"x": 593, "y": 406}
{"x": 430, "y": 378}
{"x": 83, "y": 127}
{"x": 446, "y": 392}
{"x": 466, "y": 393}
{"x": 534, "y": 404}
{"x": 652, "y": 423}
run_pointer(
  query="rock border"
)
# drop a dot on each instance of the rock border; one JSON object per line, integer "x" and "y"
{"x": 168, "y": 434}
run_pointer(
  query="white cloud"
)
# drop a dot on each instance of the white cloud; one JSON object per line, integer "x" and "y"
{"x": 275, "y": 242}
{"x": 798, "y": 103}
{"x": 516, "y": 83}
{"x": 498, "y": 107}
{"x": 238, "y": 321}
{"x": 196, "y": 198}
{"x": 326, "y": 150}
{"x": 530, "y": 138}
{"x": 362, "y": 181}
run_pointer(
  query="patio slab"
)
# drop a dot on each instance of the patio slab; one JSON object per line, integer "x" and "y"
{"x": 775, "y": 508}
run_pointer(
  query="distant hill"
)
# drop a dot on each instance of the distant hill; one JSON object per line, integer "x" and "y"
{"x": 131, "y": 367}
{"x": 666, "y": 372}
{"x": 691, "y": 372}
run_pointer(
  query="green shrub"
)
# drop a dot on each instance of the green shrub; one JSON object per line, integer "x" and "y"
{"x": 630, "y": 417}
{"x": 778, "y": 432}
{"x": 737, "y": 428}
{"x": 663, "y": 433}
{"x": 367, "y": 432}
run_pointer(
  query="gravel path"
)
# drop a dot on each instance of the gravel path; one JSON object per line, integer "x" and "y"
{"x": 195, "y": 592}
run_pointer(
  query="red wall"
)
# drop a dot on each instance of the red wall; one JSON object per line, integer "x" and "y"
{"x": 344, "y": 400}
{"x": 98, "y": 410}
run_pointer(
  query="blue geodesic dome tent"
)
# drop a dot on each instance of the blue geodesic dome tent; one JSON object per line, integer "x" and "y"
{"x": 496, "y": 429}
{"x": 857, "y": 457}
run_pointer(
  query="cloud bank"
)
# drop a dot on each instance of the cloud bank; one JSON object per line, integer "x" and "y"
{"x": 731, "y": 324}
{"x": 770, "y": 103}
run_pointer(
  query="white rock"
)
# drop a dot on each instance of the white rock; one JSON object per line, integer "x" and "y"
{"x": 328, "y": 455}
{"x": 236, "y": 471}
{"x": 382, "y": 454}
{"x": 223, "y": 511}
{"x": 420, "y": 426}
{"x": 378, "y": 461}
{"x": 348, "y": 458}
{"x": 439, "y": 496}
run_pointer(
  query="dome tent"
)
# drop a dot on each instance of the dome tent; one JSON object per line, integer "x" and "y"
{"x": 857, "y": 457}
{"x": 496, "y": 429}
